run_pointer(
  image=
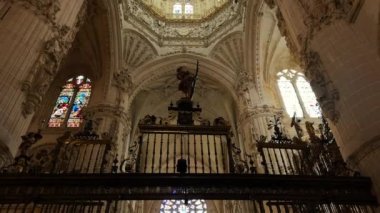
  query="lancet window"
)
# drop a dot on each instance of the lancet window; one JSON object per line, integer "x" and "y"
{"x": 297, "y": 95}
{"x": 74, "y": 96}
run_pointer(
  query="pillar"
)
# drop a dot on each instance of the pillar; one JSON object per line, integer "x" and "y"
{"x": 34, "y": 37}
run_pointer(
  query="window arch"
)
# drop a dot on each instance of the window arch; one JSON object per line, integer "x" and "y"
{"x": 297, "y": 95}
{"x": 73, "y": 97}
{"x": 179, "y": 206}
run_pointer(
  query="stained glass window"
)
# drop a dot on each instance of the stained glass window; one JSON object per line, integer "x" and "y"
{"x": 177, "y": 8}
{"x": 179, "y": 206}
{"x": 297, "y": 95}
{"x": 69, "y": 109}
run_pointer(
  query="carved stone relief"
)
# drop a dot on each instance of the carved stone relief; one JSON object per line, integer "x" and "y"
{"x": 123, "y": 82}
{"x": 47, "y": 64}
{"x": 137, "y": 50}
{"x": 176, "y": 33}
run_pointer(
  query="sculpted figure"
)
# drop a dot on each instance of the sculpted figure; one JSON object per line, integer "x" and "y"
{"x": 187, "y": 81}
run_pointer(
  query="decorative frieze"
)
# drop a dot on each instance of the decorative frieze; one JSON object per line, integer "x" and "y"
{"x": 165, "y": 33}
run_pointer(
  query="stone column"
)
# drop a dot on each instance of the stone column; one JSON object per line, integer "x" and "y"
{"x": 111, "y": 122}
{"x": 34, "y": 37}
{"x": 338, "y": 43}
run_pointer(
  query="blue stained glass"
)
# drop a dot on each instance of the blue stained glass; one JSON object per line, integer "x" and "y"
{"x": 81, "y": 90}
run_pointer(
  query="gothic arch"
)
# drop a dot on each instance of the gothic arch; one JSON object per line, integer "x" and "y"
{"x": 149, "y": 72}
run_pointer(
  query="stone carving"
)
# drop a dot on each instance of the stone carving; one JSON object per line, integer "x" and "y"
{"x": 48, "y": 63}
{"x": 137, "y": 49}
{"x": 243, "y": 84}
{"x": 193, "y": 33}
{"x": 46, "y": 8}
{"x": 327, "y": 95}
{"x": 45, "y": 69}
{"x": 123, "y": 81}
{"x": 323, "y": 12}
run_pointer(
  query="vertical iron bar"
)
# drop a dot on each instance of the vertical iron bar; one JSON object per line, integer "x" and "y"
{"x": 261, "y": 206}
{"x": 162, "y": 142}
{"x": 264, "y": 161}
{"x": 146, "y": 154}
{"x": 77, "y": 157}
{"x": 290, "y": 162}
{"x": 181, "y": 146}
{"x": 209, "y": 154}
{"x": 154, "y": 151}
{"x": 92, "y": 150}
{"x": 283, "y": 162}
{"x": 203, "y": 163}
{"x": 139, "y": 156}
{"x": 97, "y": 158}
{"x": 270, "y": 161}
{"x": 174, "y": 150}
{"x": 230, "y": 159}
{"x": 216, "y": 155}
{"x": 167, "y": 153}
{"x": 84, "y": 158}
{"x": 195, "y": 154}
{"x": 223, "y": 157}
{"x": 188, "y": 153}
{"x": 277, "y": 161}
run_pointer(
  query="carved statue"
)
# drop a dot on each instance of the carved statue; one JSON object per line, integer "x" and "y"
{"x": 187, "y": 81}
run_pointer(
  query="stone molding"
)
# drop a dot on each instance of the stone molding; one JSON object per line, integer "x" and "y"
{"x": 48, "y": 63}
{"x": 123, "y": 81}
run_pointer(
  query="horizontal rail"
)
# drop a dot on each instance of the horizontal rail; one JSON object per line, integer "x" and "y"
{"x": 318, "y": 189}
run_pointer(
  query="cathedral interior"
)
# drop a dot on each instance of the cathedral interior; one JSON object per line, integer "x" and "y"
{"x": 189, "y": 106}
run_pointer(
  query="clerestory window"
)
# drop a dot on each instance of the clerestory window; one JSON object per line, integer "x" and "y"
{"x": 189, "y": 9}
{"x": 297, "y": 95}
{"x": 177, "y": 8}
{"x": 74, "y": 96}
